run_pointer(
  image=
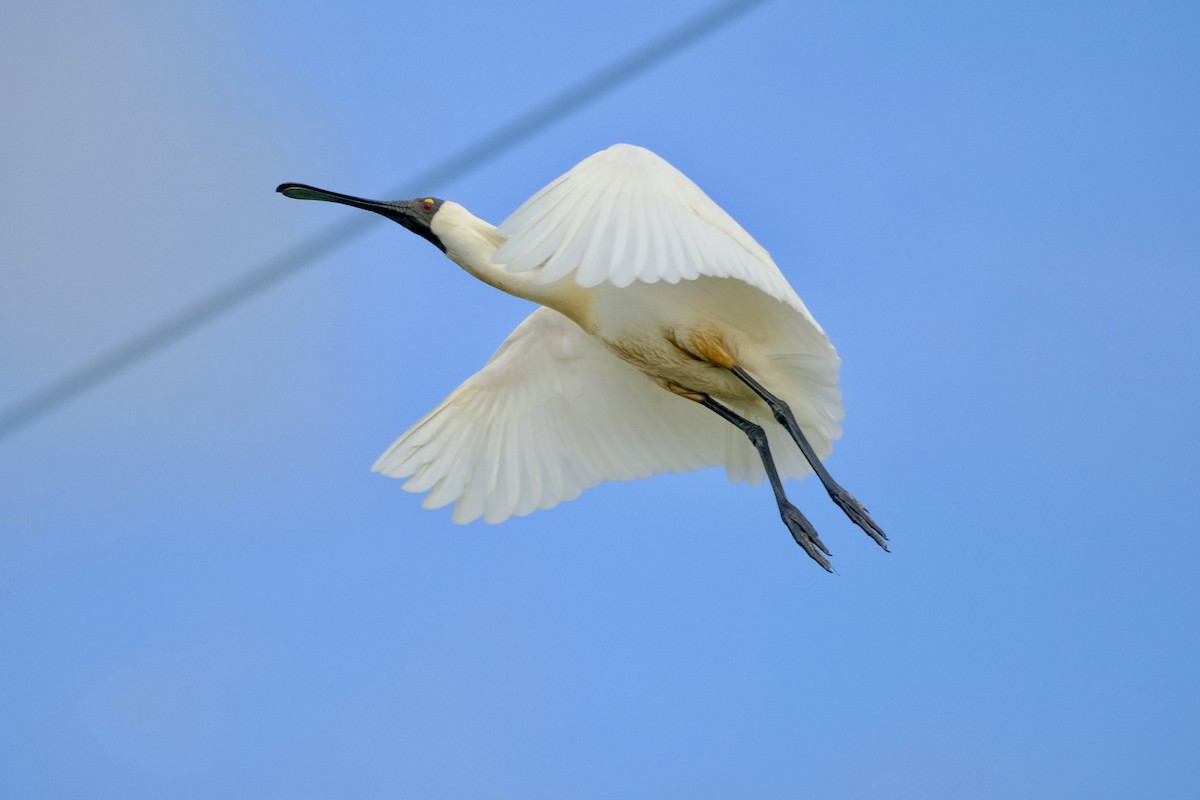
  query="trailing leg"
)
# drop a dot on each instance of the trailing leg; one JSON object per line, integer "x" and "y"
{"x": 801, "y": 529}
{"x": 846, "y": 501}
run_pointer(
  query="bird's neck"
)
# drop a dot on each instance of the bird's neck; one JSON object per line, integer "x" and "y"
{"x": 471, "y": 242}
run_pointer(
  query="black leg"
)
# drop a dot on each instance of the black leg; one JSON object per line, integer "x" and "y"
{"x": 783, "y": 415}
{"x": 802, "y": 530}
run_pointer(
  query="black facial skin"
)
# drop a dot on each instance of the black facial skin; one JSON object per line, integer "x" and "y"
{"x": 416, "y": 215}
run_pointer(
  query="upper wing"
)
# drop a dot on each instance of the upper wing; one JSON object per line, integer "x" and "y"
{"x": 551, "y": 414}
{"x": 625, "y": 215}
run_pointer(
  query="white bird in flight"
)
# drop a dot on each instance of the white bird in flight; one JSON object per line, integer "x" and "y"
{"x": 667, "y": 341}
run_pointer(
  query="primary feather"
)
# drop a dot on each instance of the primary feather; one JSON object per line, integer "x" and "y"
{"x": 552, "y": 413}
{"x": 656, "y": 225}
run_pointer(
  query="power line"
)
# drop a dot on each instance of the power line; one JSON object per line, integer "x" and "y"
{"x": 275, "y": 270}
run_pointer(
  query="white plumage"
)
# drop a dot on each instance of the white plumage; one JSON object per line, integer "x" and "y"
{"x": 658, "y": 309}
{"x": 625, "y": 215}
{"x": 552, "y": 413}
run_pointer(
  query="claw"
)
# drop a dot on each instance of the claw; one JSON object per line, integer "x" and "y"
{"x": 806, "y": 536}
{"x": 859, "y": 516}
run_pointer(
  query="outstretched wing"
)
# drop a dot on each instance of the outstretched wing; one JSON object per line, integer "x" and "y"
{"x": 625, "y": 215}
{"x": 551, "y": 414}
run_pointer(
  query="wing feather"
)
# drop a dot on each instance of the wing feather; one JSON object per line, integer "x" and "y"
{"x": 552, "y": 413}
{"x": 628, "y": 264}
{"x": 596, "y": 241}
{"x": 658, "y": 231}
{"x": 676, "y": 259}
{"x": 625, "y": 215}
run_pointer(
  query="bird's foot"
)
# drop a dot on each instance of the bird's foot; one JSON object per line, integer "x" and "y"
{"x": 858, "y": 515}
{"x": 805, "y": 535}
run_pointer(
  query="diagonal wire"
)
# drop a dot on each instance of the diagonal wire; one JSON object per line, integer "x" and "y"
{"x": 289, "y": 262}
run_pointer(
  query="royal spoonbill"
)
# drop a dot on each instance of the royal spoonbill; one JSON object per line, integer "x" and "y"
{"x": 667, "y": 341}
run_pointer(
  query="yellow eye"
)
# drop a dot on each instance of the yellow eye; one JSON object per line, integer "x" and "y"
{"x": 427, "y": 204}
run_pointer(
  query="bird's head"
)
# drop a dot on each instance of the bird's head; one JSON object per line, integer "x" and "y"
{"x": 416, "y": 215}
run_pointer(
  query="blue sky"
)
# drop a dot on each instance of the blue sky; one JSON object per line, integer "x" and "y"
{"x": 204, "y": 591}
